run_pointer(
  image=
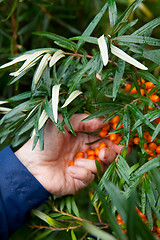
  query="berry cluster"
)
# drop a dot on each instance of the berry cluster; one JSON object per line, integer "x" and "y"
{"x": 89, "y": 154}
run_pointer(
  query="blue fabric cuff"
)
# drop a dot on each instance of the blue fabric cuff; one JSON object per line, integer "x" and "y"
{"x": 20, "y": 190}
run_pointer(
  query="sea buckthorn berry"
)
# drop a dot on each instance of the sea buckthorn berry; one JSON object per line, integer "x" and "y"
{"x": 157, "y": 120}
{"x": 106, "y": 127}
{"x": 142, "y": 92}
{"x": 103, "y": 133}
{"x": 114, "y": 126}
{"x": 149, "y": 85}
{"x": 149, "y": 152}
{"x": 154, "y": 98}
{"x": 102, "y": 145}
{"x": 96, "y": 150}
{"x": 115, "y": 119}
{"x": 152, "y": 146}
{"x": 98, "y": 159}
{"x": 142, "y": 81}
{"x": 113, "y": 137}
{"x": 145, "y": 145}
{"x": 90, "y": 152}
{"x": 79, "y": 155}
{"x": 119, "y": 218}
{"x": 117, "y": 140}
{"x": 150, "y": 108}
{"x": 136, "y": 140}
{"x": 128, "y": 87}
{"x": 158, "y": 230}
{"x": 158, "y": 149}
{"x": 133, "y": 91}
{"x": 71, "y": 163}
{"x": 91, "y": 157}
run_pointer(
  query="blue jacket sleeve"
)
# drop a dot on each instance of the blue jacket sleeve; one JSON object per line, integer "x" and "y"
{"x": 20, "y": 191}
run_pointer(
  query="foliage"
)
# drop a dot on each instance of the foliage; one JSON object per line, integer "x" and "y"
{"x": 78, "y": 71}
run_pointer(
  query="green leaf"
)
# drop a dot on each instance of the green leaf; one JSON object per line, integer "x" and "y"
{"x": 74, "y": 207}
{"x": 49, "y": 111}
{"x": 73, "y": 236}
{"x": 85, "y": 39}
{"x": 126, "y": 126}
{"x": 41, "y": 138}
{"x": 136, "y": 112}
{"x": 59, "y": 40}
{"x": 88, "y": 31}
{"x": 148, "y": 76}
{"x": 112, "y": 12}
{"x": 47, "y": 219}
{"x": 152, "y": 164}
{"x": 147, "y": 27}
{"x": 21, "y": 107}
{"x": 109, "y": 215}
{"x": 156, "y": 132}
{"x": 118, "y": 77}
{"x": 96, "y": 232}
{"x": 128, "y": 26}
{"x": 123, "y": 19}
{"x": 131, "y": 216}
{"x": 138, "y": 39}
{"x": 67, "y": 121}
{"x": 119, "y": 201}
{"x": 63, "y": 67}
{"x": 98, "y": 169}
{"x": 69, "y": 204}
{"x": 105, "y": 177}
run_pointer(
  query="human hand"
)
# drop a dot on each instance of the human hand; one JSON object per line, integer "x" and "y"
{"x": 50, "y": 166}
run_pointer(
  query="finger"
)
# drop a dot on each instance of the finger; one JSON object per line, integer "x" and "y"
{"x": 81, "y": 174}
{"x": 107, "y": 155}
{"x": 89, "y": 164}
{"x": 89, "y": 126}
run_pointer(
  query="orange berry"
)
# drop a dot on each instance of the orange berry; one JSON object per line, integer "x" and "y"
{"x": 142, "y": 81}
{"x": 133, "y": 91}
{"x": 98, "y": 159}
{"x": 115, "y": 119}
{"x": 79, "y": 155}
{"x": 119, "y": 218}
{"x": 128, "y": 87}
{"x": 152, "y": 146}
{"x": 157, "y": 120}
{"x": 149, "y": 85}
{"x": 142, "y": 92}
{"x": 106, "y": 128}
{"x": 136, "y": 140}
{"x": 91, "y": 157}
{"x": 158, "y": 149}
{"x": 149, "y": 152}
{"x": 158, "y": 230}
{"x": 90, "y": 152}
{"x": 114, "y": 126}
{"x": 150, "y": 108}
{"x": 96, "y": 150}
{"x": 154, "y": 98}
{"x": 103, "y": 133}
{"x": 102, "y": 145}
{"x": 71, "y": 163}
{"x": 113, "y": 137}
{"x": 118, "y": 140}
{"x": 145, "y": 145}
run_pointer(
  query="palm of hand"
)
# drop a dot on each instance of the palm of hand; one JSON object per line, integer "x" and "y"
{"x": 54, "y": 159}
